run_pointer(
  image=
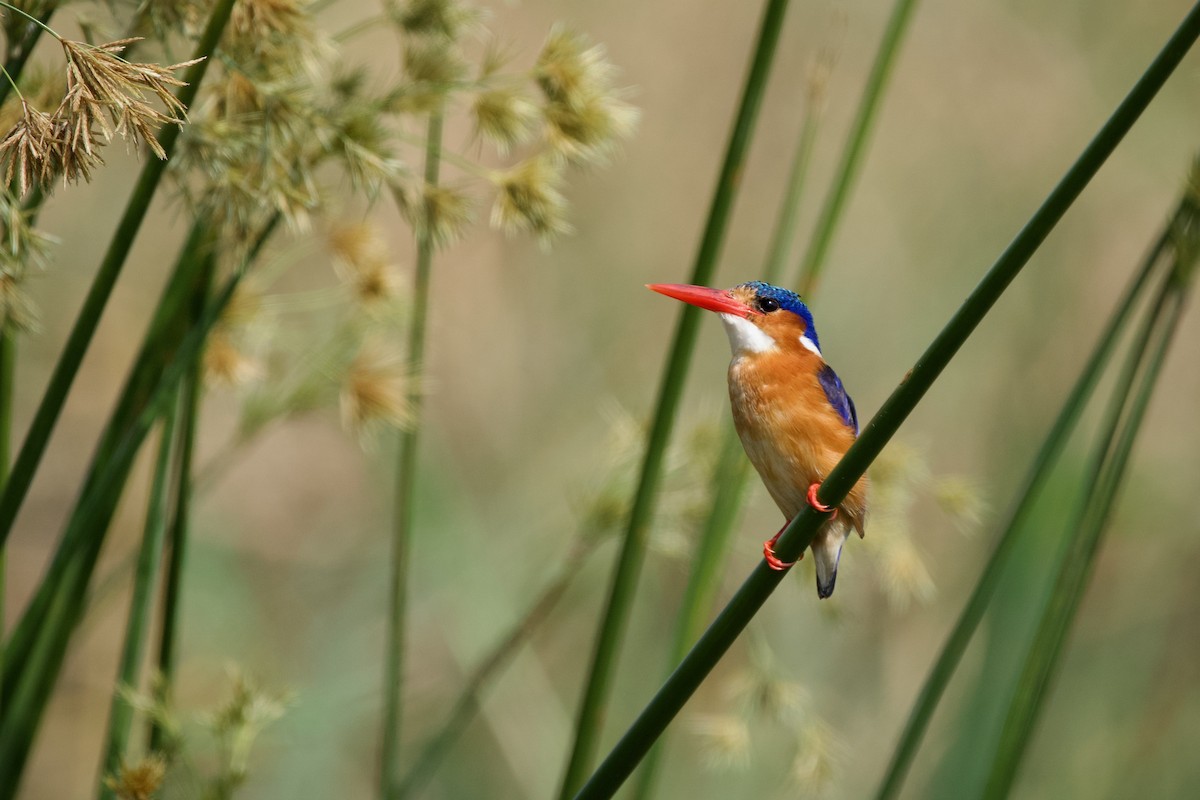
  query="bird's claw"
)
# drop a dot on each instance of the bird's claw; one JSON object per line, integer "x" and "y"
{"x": 772, "y": 560}
{"x": 817, "y": 504}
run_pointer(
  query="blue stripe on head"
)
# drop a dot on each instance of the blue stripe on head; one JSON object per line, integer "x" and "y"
{"x": 789, "y": 301}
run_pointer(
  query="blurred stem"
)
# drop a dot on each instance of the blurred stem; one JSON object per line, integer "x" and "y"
{"x": 88, "y": 318}
{"x": 762, "y": 581}
{"x": 633, "y": 548}
{"x": 8, "y": 369}
{"x": 852, "y": 155}
{"x": 1047, "y": 456}
{"x": 41, "y": 637}
{"x": 467, "y": 705}
{"x": 120, "y": 714}
{"x": 406, "y": 476}
{"x": 182, "y": 489}
{"x": 728, "y": 486}
{"x": 1122, "y": 425}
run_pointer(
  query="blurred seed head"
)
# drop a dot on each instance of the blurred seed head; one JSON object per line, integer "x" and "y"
{"x": 723, "y": 741}
{"x": 440, "y": 212}
{"x": 903, "y": 574}
{"x": 377, "y": 390}
{"x": 434, "y": 67}
{"x": 961, "y": 499}
{"x": 237, "y": 724}
{"x": 226, "y": 365}
{"x": 760, "y": 689}
{"x": 529, "y": 200}
{"x": 504, "y": 116}
{"x": 439, "y": 18}
{"x": 589, "y": 129}
{"x": 570, "y": 67}
{"x": 818, "y": 752}
{"x": 139, "y": 781}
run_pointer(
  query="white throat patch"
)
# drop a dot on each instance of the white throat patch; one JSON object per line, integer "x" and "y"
{"x": 809, "y": 344}
{"x": 745, "y": 336}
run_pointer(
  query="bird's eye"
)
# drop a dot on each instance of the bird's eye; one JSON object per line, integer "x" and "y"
{"x": 768, "y": 304}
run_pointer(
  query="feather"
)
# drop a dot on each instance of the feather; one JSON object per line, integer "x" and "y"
{"x": 836, "y": 393}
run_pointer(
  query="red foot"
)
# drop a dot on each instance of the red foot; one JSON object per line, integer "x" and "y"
{"x": 769, "y": 552}
{"x": 817, "y": 504}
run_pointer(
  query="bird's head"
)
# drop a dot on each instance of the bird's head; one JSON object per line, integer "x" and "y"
{"x": 758, "y": 317}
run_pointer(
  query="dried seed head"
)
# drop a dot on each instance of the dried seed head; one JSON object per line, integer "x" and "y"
{"x": 904, "y": 576}
{"x": 17, "y": 310}
{"x": 32, "y": 151}
{"x": 140, "y": 781}
{"x": 818, "y": 752}
{"x": 529, "y": 201}
{"x": 724, "y": 740}
{"x": 590, "y": 128}
{"x": 226, "y": 365}
{"x": 442, "y": 213}
{"x": 443, "y": 18}
{"x": 433, "y": 68}
{"x": 356, "y": 244}
{"x": 377, "y": 390}
{"x": 961, "y": 499}
{"x": 568, "y": 67}
{"x": 503, "y": 116}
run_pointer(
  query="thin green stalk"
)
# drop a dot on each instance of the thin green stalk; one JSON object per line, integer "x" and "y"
{"x": 467, "y": 705}
{"x": 120, "y": 714}
{"x": 1044, "y": 654}
{"x": 181, "y": 490}
{"x": 730, "y": 477}
{"x": 633, "y": 548}
{"x": 763, "y": 580}
{"x": 88, "y": 318}
{"x": 835, "y": 203}
{"x": 406, "y": 479}
{"x": 972, "y": 613}
{"x": 8, "y": 369}
{"x": 28, "y": 687}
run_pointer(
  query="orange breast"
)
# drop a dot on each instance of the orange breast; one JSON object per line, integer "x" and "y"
{"x": 791, "y": 433}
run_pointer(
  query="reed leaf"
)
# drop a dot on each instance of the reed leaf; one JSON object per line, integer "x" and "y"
{"x": 1048, "y": 455}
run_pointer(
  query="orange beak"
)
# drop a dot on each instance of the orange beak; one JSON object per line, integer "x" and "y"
{"x": 701, "y": 296}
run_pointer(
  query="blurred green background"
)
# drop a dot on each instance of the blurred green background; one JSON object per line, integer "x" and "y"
{"x": 531, "y": 349}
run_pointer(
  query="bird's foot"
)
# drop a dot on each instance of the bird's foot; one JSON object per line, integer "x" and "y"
{"x": 817, "y": 504}
{"x": 773, "y": 561}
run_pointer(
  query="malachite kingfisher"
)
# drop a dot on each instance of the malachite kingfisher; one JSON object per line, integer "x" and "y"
{"x": 790, "y": 409}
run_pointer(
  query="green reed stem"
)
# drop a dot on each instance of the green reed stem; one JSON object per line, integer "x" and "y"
{"x": 45, "y": 628}
{"x": 1123, "y": 422}
{"x": 852, "y": 155}
{"x": 190, "y": 391}
{"x": 406, "y": 480}
{"x": 633, "y": 548}
{"x": 120, "y": 714}
{"x": 762, "y": 581}
{"x": 88, "y": 318}
{"x": 972, "y": 613}
{"x": 729, "y": 480}
{"x": 8, "y": 371}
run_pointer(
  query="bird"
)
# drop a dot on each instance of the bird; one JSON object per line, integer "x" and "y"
{"x": 791, "y": 411}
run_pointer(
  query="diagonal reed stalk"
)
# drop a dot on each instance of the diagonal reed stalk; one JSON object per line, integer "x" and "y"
{"x": 1056, "y": 440}
{"x": 53, "y": 399}
{"x": 633, "y": 547}
{"x": 729, "y": 483}
{"x": 762, "y": 581}
{"x": 406, "y": 478}
{"x": 120, "y": 713}
{"x": 1123, "y": 421}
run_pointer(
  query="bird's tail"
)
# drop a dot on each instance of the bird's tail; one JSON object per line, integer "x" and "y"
{"x": 827, "y": 551}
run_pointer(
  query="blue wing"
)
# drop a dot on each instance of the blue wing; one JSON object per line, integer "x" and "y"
{"x": 836, "y": 393}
